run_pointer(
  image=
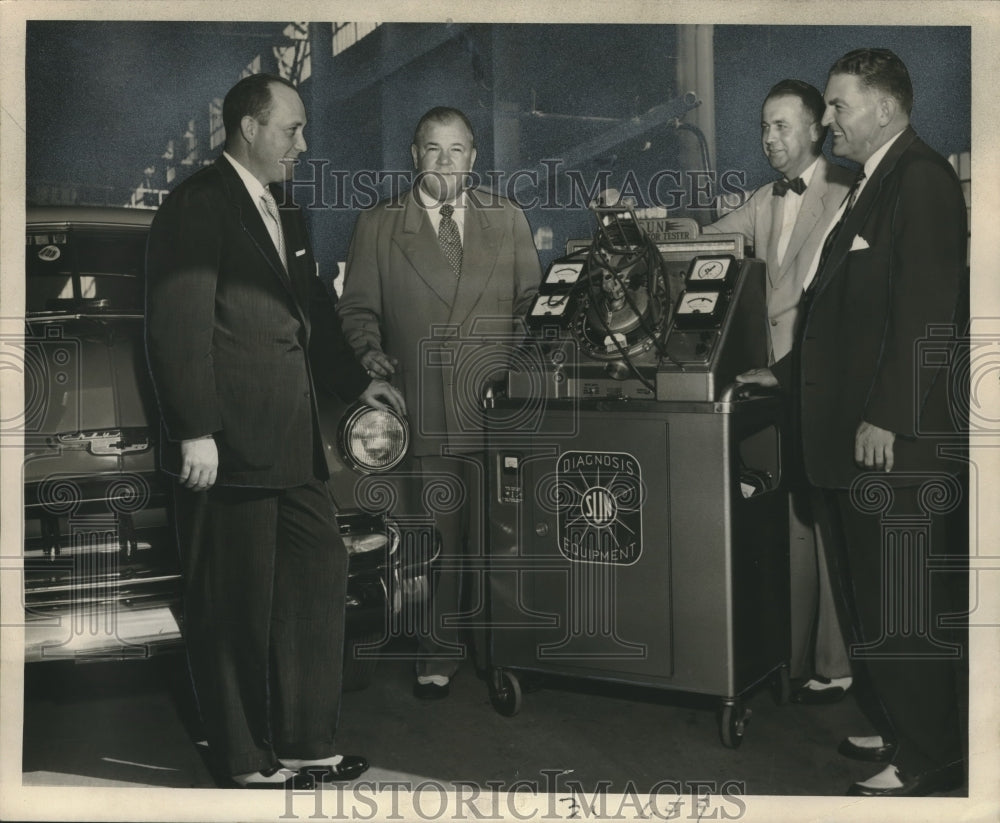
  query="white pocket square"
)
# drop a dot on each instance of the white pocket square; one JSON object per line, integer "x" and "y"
{"x": 300, "y": 252}
{"x": 858, "y": 243}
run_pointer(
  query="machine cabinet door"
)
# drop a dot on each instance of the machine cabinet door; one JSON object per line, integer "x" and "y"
{"x": 581, "y": 553}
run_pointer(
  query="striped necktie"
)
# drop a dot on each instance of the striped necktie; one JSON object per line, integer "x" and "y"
{"x": 271, "y": 207}
{"x": 831, "y": 238}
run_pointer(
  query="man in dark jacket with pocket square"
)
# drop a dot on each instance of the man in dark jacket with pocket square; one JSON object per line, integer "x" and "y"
{"x": 876, "y": 377}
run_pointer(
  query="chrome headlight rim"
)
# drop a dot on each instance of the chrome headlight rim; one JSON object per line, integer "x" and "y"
{"x": 350, "y": 421}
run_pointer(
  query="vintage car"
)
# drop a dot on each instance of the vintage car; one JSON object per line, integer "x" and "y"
{"x": 101, "y": 564}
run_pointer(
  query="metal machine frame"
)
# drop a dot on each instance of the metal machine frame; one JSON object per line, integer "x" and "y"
{"x": 638, "y": 534}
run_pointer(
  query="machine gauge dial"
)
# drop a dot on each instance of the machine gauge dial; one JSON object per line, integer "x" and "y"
{"x": 563, "y": 272}
{"x": 711, "y": 272}
{"x": 700, "y": 309}
{"x": 698, "y": 303}
{"x": 550, "y": 305}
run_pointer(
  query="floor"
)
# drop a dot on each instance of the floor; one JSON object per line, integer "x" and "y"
{"x": 113, "y": 724}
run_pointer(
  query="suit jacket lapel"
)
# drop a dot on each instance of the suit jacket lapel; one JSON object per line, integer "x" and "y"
{"x": 252, "y": 222}
{"x": 479, "y": 254}
{"x": 417, "y": 241}
{"x": 812, "y": 208}
{"x": 298, "y": 272}
{"x": 863, "y": 207}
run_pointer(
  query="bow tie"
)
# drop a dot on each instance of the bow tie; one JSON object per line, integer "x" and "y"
{"x": 782, "y": 186}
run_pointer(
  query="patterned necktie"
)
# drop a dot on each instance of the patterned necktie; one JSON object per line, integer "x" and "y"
{"x": 271, "y": 207}
{"x": 781, "y": 187}
{"x": 450, "y": 239}
{"x": 831, "y": 238}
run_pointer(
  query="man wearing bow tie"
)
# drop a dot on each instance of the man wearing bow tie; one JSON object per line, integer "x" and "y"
{"x": 240, "y": 336}
{"x": 882, "y": 425}
{"x": 785, "y": 222}
{"x": 428, "y": 274}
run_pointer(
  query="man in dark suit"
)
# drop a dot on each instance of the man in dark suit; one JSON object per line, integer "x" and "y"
{"x": 785, "y": 222}
{"x": 424, "y": 273}
{"x": 232, "y": 301}
{"x": 874, "y": 418}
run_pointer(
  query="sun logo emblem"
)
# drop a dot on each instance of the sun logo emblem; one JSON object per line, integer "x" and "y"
{"x": 600, "y": 498}
{"x": 598, "y": 506}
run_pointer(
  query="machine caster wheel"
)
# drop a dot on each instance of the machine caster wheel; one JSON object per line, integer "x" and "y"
{"x": 733, "y": 719}
{"x": 781, "y": 686}
{"x": 505, "y": 693}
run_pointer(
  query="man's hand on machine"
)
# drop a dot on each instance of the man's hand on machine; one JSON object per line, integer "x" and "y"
{"x": 758, "y": 377}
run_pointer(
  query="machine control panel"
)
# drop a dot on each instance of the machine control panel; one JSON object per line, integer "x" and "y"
{"x": 629, "y": 318}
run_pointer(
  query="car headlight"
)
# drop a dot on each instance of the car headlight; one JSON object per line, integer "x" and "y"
{"x": 372, "y": 440}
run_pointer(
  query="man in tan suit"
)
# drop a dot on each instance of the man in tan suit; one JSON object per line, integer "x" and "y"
{"x": 427, "y": 274}
{"x": 786, "y": 222}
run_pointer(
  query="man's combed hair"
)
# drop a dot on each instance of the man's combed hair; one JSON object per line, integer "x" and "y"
{"x": 442, "y": 114}
{"x": 250, "y": 97}
{"x": 812, "y": 100}
{"x": 879, "y": 69}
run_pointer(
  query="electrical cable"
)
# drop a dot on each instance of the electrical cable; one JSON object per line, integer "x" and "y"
{"x": 654, "y": 276}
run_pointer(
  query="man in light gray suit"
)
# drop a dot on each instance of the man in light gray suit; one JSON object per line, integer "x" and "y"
{"x": 786, "y": 223}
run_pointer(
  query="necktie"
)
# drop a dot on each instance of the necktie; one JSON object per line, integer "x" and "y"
{"x": 782, "y": 186}
{"x": 450, "y": 239}
{"x": 852, "y": 195}
{"x": 271, "y": 207}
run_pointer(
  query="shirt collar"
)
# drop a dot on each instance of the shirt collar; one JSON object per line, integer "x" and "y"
{"x": 253, "y": 185}
{"x": 807, "y": 175}
{"x": 423, "y": 200}
{"x": 458, "y": 202}
{"x": 872, "y": 162}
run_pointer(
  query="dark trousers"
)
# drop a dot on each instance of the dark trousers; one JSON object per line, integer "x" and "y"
{"x": 899, "y": 562}
{"x": 265, "y": 588}
{"x": 447, "y": 490}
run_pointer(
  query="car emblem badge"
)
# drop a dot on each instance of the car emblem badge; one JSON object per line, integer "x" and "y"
{"x": 104, "y": 442}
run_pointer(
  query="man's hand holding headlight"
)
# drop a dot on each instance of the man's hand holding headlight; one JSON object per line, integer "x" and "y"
{"x": 381, "y": 394}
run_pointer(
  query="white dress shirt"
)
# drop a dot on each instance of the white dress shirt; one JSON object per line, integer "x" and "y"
{"x": 256, "y": 190}
{"x": 790, "y": 212}
{"x": 869, "y": 169}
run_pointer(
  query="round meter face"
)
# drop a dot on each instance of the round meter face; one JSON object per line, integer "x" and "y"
{"x": 564, "y": 273}
{"x": 710, "y": 270}
{"x": 698, "y": 303}
{"x": 550, "y": 305}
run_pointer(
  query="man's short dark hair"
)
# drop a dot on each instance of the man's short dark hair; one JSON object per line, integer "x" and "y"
{"x": 251, "y": 96}
{"x": 442, "y": 114}
{"x": 879, "y": 69}
{"x": 812, "y": 100}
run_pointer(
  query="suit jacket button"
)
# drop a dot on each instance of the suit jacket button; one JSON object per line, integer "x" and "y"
{"x": 774, "y": 322}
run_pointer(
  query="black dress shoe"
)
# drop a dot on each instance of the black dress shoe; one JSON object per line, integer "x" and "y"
{"x": 430, "y": 691}
{"x": 870, "y": 754}
{"x": 817, "y": 697}
{"x": 298, "y": 781}
{"x": 349, "y": 767}
{"x": 941, "y": 780}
